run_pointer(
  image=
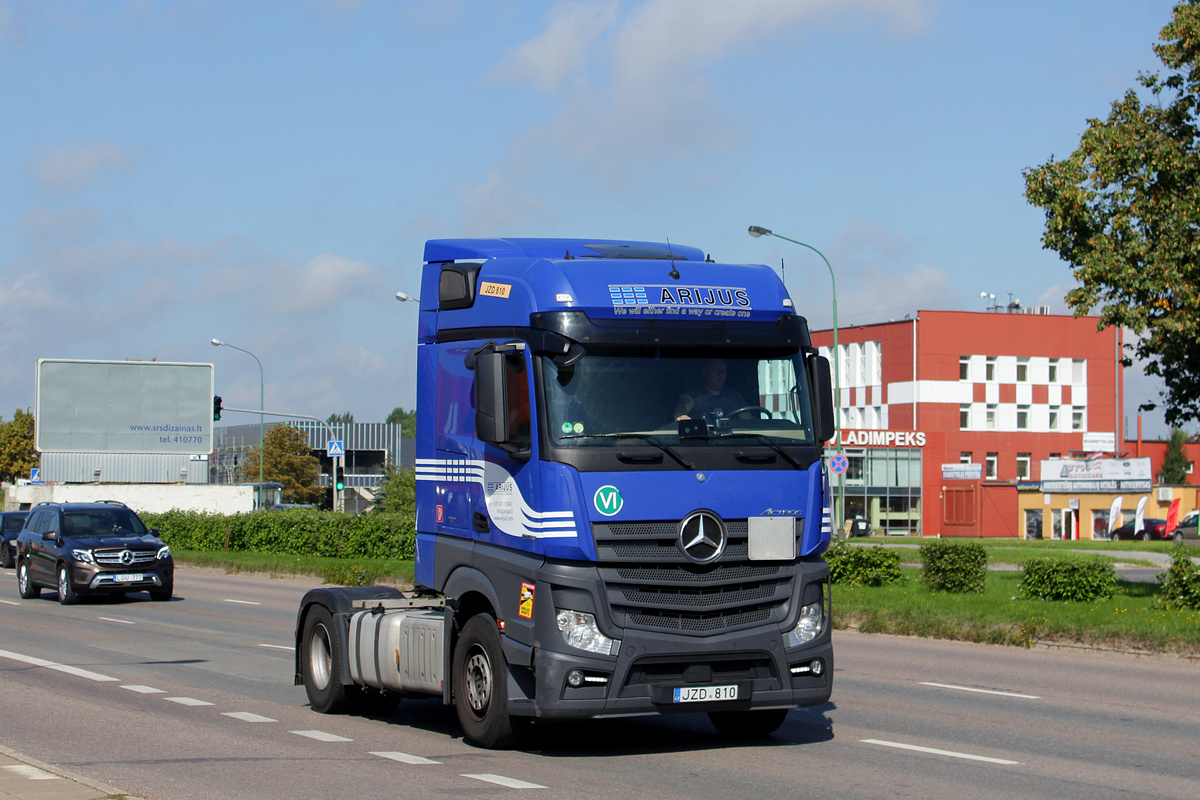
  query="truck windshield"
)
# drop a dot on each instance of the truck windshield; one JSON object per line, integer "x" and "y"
{"x": 740, "y": 398}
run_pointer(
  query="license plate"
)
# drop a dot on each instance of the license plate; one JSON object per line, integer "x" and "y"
{"x": 701, "y": 694}
{"x": 128, "y": 577}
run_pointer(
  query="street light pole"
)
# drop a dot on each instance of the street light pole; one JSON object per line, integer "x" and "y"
{"x": 756, "y": 232}
{"x": 262, "y": 443}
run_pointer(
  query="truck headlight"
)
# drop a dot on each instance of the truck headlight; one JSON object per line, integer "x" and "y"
{"x": 578, "y": 629}
{"x": 83, "y": 556}
{"x": 810, "y": 624}
{"x": 163, "y": 552}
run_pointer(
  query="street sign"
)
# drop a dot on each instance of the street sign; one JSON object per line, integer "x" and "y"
{"x": 839, "y": 464}
{"x": 334, "y": 449}
{"x": 35, "y": 475}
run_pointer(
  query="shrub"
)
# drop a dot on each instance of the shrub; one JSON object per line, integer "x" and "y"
{"x": 293, "y": 531}
{"x": 852, "y": 565}
{"x": 954, "y": 566}
{"x": 1180, "y": 582}
{"x": 1077, "y": 579}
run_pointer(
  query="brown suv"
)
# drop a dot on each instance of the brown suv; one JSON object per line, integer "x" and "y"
{"x": 91, "y": 548}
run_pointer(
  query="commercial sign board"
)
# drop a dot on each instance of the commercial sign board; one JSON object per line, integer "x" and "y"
{"x": 1094, "y": 442}
{"x": 123, "y": 407}
{"x": 962, "y": 472}
{"x": 1097, "y": 476}
{"x": 883, "y": 438}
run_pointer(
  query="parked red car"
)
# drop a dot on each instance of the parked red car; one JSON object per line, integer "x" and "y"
{"x": 1151, "y": 529}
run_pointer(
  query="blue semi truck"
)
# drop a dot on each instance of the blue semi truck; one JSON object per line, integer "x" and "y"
{"x": 621, "y": 500}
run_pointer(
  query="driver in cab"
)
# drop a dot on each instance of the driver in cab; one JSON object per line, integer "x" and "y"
{"x": 711, "y": 398}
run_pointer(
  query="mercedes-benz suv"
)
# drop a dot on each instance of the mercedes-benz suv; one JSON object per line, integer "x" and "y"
{"x": 91, "y": 548}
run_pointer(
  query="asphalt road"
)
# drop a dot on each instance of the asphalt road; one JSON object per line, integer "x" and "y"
{"x": 194, "y": 699}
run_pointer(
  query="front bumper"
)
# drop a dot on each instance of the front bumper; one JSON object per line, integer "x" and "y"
{"x": 89, "y": 578}
{"x": 644, "y": 676}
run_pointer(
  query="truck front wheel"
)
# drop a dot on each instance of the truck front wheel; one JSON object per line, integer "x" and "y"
{"x": 481, "y": 686}
{"x": 322, "y": 665}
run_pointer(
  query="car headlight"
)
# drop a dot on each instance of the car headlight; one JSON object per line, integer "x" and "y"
{"x": 163, "y": 552}
{"x": 84, "y": 556}
{"x": 578, "y": 629}
{"x": 809, "y": 626}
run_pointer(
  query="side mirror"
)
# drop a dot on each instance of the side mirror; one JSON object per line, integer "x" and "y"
{"x": 820, "y": 385}
{"x": 49, "y": 536}
{"x": 491, "y": 399}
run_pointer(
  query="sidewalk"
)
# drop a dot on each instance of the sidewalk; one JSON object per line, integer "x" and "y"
{"x": 25, "y": 778}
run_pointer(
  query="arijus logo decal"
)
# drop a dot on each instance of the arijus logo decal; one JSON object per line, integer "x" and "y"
{"x": 608, "y": 500}
{"x": 679, "y": 301}
{"x": 702, "y": 536}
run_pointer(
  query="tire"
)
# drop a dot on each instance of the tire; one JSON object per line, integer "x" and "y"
{"x": 1177, "y": 538}
{"x": 164, "y": 594}
{"x": 1146, "y": 536}
{"x": 5, "y": 558}
{"x": 748, "y": 724}
{"x": 481, "y": 687}
{"x": 321, "y": 664}
{"x": 66, "y": 592}
{"x": 25, "y": 584}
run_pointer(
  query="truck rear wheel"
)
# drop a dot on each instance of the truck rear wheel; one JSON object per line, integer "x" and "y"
{"x": 321, "y": 665}
{"x": 748, "y": 724}
{"x": 481, "y": 686}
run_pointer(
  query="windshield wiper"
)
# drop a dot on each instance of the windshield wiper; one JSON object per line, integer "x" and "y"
{"x": 763, "y": 440}
{"x": 643, "y": 436}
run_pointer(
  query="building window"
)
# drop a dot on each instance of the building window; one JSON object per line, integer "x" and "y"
{"x": 1053, "y": 371}
{"x": 1023, "y": 466}
{"x": 1077, "y": 370}
{"x": 992, "y": 460}
{"x": 1022, "y": 418}
{"x": 964, "y": 367}
{"x": 991, "y": 416}
{"x": 1022, "y": 370}
{"x": 1077, "y": 419}
{"x": 989, "y": 369}
{"x": 965, "y": 457}
{"x": 1054, "y": 419}
{"x": 964, "y": 417}
{"x": 1056, "y": 455}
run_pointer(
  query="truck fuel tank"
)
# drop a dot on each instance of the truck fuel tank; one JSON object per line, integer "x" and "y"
{"x": 398, "y": 650}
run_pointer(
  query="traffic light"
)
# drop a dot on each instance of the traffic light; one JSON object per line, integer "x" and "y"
{"x": 340, "y": 482}
{"x": 216, "y": 407}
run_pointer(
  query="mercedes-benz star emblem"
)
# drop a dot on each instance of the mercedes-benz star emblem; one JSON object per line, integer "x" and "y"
{"x": 702, "y": 536}
{"x": 126, "y": 557}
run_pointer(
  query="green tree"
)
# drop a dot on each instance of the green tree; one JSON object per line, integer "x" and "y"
{"x": 17, "y": 454}
{"x": 1175, "y": 461}
{"x": 397, "y": 492}
{"x": 288, "y": 461}
{"x": 407, "y": 420}
{"x": 1124, "y": 211}
{"x": 341, "y": 419}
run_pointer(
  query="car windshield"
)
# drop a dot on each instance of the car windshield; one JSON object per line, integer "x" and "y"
{"x": 103, "y": 522}
{"x": 13, "y": 522}
{"x": 607, "y": 397}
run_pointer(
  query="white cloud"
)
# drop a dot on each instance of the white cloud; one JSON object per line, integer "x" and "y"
{"x": 560, "y": 53}
{"x": 499, "y": 204}
{"x": 323, "y": 282}
{"x": 71, "y": 167}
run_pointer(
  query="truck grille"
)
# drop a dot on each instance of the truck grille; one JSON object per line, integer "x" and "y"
{"x": 650, "y": 584}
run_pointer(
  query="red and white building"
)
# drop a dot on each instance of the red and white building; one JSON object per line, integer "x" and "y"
{"x": 943, "y": 417}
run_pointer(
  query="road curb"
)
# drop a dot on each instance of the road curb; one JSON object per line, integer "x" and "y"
{"x": 84, "y": 788}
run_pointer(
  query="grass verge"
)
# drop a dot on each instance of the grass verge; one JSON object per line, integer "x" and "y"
{"x": 1128, "y": 621}
{"x": 340, "y": 571}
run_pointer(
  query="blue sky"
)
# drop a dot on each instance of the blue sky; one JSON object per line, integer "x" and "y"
{"x": 266, "y": 172}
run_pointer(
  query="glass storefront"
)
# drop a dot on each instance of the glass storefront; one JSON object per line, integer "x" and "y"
{"x": 883, "y": 487}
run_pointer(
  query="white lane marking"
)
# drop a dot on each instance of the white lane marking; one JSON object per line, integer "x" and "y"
{"x": 322, "y": 736}
{"x": 140, "y": 689}
{"x": 10, "y": 602}
{"x": 279, "y": 646}
{"x": 41, "y": 662}
{"x": 404, "y": 758}
{"x": 981, "y": 691}
{"x": 936, "y": 752}
{"x": 122, "y": 621}
{"x": 246, "y": 716}
{"x": 31, "y": 772}
{"x": 188, "y": 701}
{"x": 243, "y": 602}
{"x": 511, "y": 783}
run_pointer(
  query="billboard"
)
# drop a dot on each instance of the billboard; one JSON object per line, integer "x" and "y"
{"x": 1101, "y": 475}
{"x": 123, "y": 407}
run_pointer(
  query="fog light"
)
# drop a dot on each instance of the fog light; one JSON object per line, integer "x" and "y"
{"x": 817, "y": 666}
{"x": 808, "y": 627}
{"x": 575, "y": 678}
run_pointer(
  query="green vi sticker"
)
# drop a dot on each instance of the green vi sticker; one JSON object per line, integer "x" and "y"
{"x": 608, "y": 500}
